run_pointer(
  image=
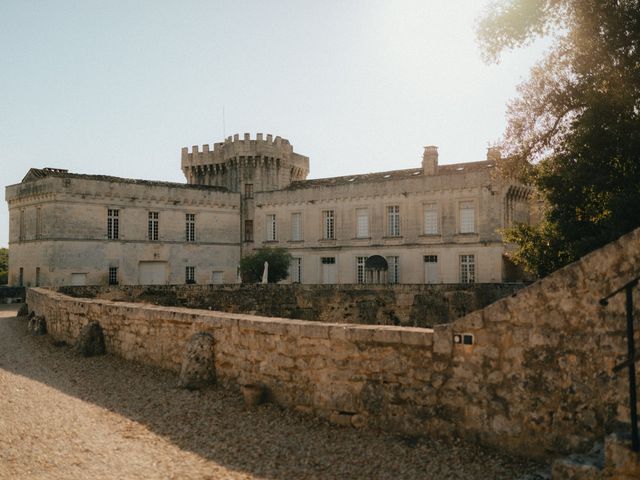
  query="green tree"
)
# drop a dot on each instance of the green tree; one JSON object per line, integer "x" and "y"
{"x": 252, "y": 265}
{"x": 4, "y": 265}
{"x": 573, "y": 132}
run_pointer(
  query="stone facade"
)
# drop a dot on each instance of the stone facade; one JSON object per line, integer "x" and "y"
{"x": 434, "y": 224}
{"x": 425, "y": 221}
{"x": 531, "y": 373}
{"x": 64, "y": 230}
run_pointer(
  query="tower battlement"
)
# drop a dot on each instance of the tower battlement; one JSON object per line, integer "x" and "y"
{"x": 244, "y": 159}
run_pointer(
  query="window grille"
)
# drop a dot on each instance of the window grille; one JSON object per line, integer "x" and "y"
{"x": 190, "y": 227}
{"x": 190, "y": 275}
{"x": 360, "y": 273}
{"x": 271, "y": 228}
{"x": 295, "y": 270}
{"x": 329, "y": 231}
{"x": 393, "y": 221}
{"x": 248, "y": 230}
{"x": 394, "y": 269}
{"x": 113, "y": 275}
{"x": 467, "y": 268}
{"x": 153, "y": 225}
{"x": 113, "y": 223}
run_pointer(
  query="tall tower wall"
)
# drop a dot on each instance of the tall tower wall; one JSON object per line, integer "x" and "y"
{"x": 267, "y": 163}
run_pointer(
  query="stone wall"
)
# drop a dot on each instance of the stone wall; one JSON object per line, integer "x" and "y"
{"x": 533, "y": 373}
{"x": 406, "y": 305}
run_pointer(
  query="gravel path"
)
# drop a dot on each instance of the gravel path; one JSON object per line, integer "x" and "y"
{"x": 67, "y": 417}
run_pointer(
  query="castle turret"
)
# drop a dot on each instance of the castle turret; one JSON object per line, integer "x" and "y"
{"x": 430, "y": 160}
{"x": 264, "y": 163}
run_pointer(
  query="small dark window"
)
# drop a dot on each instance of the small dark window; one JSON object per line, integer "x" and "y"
{"x": 113, "y": 275}
{"x": 248, "y": 190}
{"x": 467, "y": 339}
{"x": 248, "y": 230}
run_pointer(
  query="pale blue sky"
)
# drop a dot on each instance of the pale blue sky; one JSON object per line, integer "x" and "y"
{"x": 118, "y": 87}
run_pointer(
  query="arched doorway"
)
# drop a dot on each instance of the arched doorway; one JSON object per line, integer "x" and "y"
{"x": 376, "y": 269}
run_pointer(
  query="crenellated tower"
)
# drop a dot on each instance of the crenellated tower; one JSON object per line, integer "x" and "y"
{"x": 265, "y": 163}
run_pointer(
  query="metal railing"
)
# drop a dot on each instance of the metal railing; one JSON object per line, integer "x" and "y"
{"x": 630, "y": 363}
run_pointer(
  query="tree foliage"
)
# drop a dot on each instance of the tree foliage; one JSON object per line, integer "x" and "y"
{"x": 573, "y": 132}
{"x": 252, "y": 266}
{"x": 4, "y": 265}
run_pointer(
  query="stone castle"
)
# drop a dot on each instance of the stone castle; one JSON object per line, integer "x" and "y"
{"x": 433, "y": 224}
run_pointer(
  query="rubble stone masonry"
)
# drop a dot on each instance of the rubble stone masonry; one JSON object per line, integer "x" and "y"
{"x": 532, "y": 372}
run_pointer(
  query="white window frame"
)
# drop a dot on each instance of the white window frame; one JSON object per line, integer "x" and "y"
{"x": 431, "y": 259}
{"x": 467, "y": 214}
{"x": 431, "y": 219}
{"x": 190, "y": 274}
{"x": 393, "y": 220}
{"x": 362, "y": 222}
{"x": 467, "y": 268}
{"x": 153, "y": 230}
{"x": 296, "y": 227}
{"x": 393, "y": 261}
{"x": 328, "y": 224}
{"x": 271, "y": 225}
{"x": 113, "y": 223}
{"x": 190, "y": 227}
{"x": 295, "y": 270}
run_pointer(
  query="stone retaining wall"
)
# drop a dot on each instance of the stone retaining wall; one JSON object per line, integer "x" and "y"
{"x": 532, "y": 374}
{"x": 406, "y": 305}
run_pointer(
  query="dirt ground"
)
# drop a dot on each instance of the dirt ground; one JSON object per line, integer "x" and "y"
{"x": 63, "y": 416}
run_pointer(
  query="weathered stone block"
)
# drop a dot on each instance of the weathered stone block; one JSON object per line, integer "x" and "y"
{"x": 91, "y": 340}
{"x": 198, "y": 368}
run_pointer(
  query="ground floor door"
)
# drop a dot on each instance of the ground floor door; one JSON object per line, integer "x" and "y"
{"x": 328, "y": 270}
{"x": 152, "y": 273}
{"x": 431, "y": 270}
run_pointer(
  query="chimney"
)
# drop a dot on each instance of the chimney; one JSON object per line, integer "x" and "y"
{"x": 430, "y": 160}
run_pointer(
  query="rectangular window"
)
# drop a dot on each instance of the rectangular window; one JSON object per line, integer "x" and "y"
{"x": 431, "y": 219}
{"x": 431, "y": 272}
{"x": 362, "y": 223}
{"x": 217, "y": 277}
{"x": 153, "y": 225}
{"x": 394, "y": 269}
{"x": 467, "y": 217}
{"x": 360, "y": 275}
{"x": 113, "y": 223}
{"x": 113, "y": 275}
{"x": 38, "y": 223}
{"x": 271, "y": 228}
{"x": 328, "y": 224}
{"x": 296, "y": 227}
{"x": 295, "y": 270}
{"x": 21, "y": 278}
{"x": 467, "y": 268}
{"x": 21, "y": 233}
{"x": 393, "y": 221}
{"x": 37, "y": 276}
{"x": 248, "y": 190}
{"x": 248, "y": 230}
{"x": 328, "y": 270}
{"x": 190, "y": 275}
{"x": 190, "y": 227}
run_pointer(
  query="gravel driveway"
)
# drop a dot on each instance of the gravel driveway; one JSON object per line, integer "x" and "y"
{"x": 67, "y": 417}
